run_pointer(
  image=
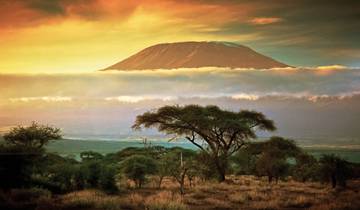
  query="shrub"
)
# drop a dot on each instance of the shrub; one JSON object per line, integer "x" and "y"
{"x": 16, "y": 165}
{"x": 107, "y": 180}
{"x": 91, "y": 170}
{"x": 335, "y": 170}
{"x": 137, "y": 167}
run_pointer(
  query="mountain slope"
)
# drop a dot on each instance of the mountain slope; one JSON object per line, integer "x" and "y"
{"x": 194, "y": 55}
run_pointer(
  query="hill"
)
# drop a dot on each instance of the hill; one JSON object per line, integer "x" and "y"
{"x": 195, "y": 55}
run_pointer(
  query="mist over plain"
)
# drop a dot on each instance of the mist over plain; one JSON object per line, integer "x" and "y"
{"x": 318, "y": 102}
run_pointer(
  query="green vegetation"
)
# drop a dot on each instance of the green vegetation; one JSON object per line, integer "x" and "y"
{"x": 218, "y": 133}
{"x": 137, "y": 167}
{"x": 34, "y": 174}
{"x": 73, "y": 148}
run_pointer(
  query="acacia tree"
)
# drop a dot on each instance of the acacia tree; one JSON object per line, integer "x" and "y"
{"x": 273, "y": 155}
{"x": 180, "y": 163}
{"x": 33, "y": 136}
{"x": 218, "y": 133}
{"x": 22, "y": 149}
{"x": 335, "y": 170}
{"x": 137, "y": 167}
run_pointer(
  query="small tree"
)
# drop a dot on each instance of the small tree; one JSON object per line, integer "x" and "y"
{"x": 245, "y": 161}
{"x": 16, "y": 166}
{"x": 306, "y": 167}
{"x": 180, "y": 162}
{"x": 91, "y": 170}
{"x": 335, "y": 170}
{"x": 272, "y": 161}
{"x": 137, "y": 167}
{"x": 163, "y": 170}
{"x": 107, "y": 180}
{"x": 22, "y": 149}
{"x": 205, "y": 167}
{"x": 33, "y": 136}
{"x": 273, "y": 168}
{"x": 218, "y": 133}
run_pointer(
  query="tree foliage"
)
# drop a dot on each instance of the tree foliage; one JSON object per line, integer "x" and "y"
{"x": 34, "y": 135}
{"x": 306, "y": 167}
{"x": 136, "y": 168}
{"x": 335, "y": 170}
{"x": 180, "y": 164}
{"x": 22, "y": 150}
{"x": 274, "y": 153}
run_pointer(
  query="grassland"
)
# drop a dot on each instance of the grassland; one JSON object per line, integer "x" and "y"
{"x": 239, "y": 192}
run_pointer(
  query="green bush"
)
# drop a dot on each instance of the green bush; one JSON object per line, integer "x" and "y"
{"x": 137, "y": 167}
{"x": 107, "y": 179}
{"x": 335, "y": 170}
{"x": 91, "y": 171}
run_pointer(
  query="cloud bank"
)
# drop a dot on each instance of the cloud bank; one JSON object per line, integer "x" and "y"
{"x": 304, "y": 102}
{"x": 133, "y": 86}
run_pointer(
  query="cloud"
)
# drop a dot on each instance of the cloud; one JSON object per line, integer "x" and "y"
{"x": 136, "y": 99}
{"x": 106, "y": 103}
{"x": 331, "y": 67}
{"x": 135, "y": 86}
{"x": 42, "y": 98}
{"x": 265, "y": 20}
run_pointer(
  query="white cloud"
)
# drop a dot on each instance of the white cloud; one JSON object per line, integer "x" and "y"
{"x": 170, "y": 85}
{"x": 136, "y": 99}
{"x": 244, "y": 96}
{"x": 42, "y": 98}
{"x": 331, "y": 67}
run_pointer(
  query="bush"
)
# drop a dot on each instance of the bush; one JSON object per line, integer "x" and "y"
{"x": 306, "y": 168}
{"x": 137, "y": 167}
{"x": 335, "y": 170}
{"x": 107, "y": 181}
{"x": 91, "y": 171}
{"x": 16, "y": 165}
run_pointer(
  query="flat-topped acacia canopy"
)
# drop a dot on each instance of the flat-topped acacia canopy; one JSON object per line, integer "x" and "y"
{"x": 219, "y": 133}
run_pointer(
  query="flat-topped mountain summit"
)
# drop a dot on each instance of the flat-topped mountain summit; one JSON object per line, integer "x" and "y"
{"x": 195, "y": 55}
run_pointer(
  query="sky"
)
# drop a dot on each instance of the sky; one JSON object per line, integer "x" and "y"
{"x": 50, "y": 51}
{"x": 76, "y": 36}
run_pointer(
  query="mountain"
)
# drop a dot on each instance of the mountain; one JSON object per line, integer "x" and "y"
{"x": 194, "y": 55}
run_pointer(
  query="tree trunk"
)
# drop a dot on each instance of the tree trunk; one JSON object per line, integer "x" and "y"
{"x": 181, "y": 181}
{"x": 221, "y": 177}
{"x": 270, "y": 178}
{"x": 333, "y": 180}
{"x": 160, "y": 181}
{"x": 182, "y": 192}
{"x": 221, "y": 166}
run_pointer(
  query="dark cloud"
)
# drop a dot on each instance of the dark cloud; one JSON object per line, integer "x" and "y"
{"x": 312, "y": 31}
{"x": 51, "y": 6}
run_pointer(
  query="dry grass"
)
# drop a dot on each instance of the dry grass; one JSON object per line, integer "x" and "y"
{"x": 165, "y": 200}
{"x": 245, "y": 192}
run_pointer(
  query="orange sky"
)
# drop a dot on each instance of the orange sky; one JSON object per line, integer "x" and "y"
{"x": 52, "y": 36}
{"x": 87, "y": 37}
